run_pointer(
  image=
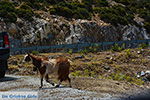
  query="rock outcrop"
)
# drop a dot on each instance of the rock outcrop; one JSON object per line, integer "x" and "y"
{"x": 52, "y": 30}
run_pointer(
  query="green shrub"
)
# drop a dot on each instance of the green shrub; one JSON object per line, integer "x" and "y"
{"x": 118, "y": 48}
{"x": 25, "y": 14}
{"x": 144, "y": 13}
{"x": 54, "y": 1}
{"x": 88, "y": 73}
{"x": 44, "y": 1}
{"x": 25, "y": 6}
{"x": 128, "y": 52}
{"x": 81, "y": 13}
{"x": 8, "y": 16}
{"x": 7, "y": 11}
{"x": 8, "y": 6}
{"x": 70, "y": 51}
{"x": 125, "y": 2}
{"x": 121, "y": 77}
{"x": 114, "y": 19}
{"x": 62, "y": 11}
{"x": 143, "y": 45}
{"x": 84, "y": 51}
{"x": 114, "y": 15}
{"x": 97, "y": 9}
{"x": 94, "y": 48}
{"x": 35, "y": 52}
{"x": 100, "y": 3}
{"x": 37, "y": 6}
{"x": 76, "y": 73}
{"x": 118, "y": 76}
{"x": 71, "y": 10}
{"x": 84, "y": 73}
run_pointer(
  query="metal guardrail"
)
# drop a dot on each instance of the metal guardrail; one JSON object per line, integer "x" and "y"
{"x": 78, "y": 47}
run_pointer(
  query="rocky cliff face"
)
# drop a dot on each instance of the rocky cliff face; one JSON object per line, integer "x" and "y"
{"x": 51, "y": 30}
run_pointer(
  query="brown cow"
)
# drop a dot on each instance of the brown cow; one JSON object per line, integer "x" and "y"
{"x": 60, "y": 66}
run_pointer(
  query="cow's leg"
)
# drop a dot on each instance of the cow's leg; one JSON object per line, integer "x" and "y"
{"x": 47, "y": 80}
{"x": 60, "y": 81}
{"x": 42, "y": 71}
{"x": 69, "y": 80}
{"x": 41, "y": 82}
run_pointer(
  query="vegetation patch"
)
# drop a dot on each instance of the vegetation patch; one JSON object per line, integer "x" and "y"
{"x": 7, "y": 11}
{"x": 123, "y": 77}
{"x": 118, "y": 48}
{"x": 35, "y": 52}
{"x": 121, "y": 13}
{"x": 120, "y": 66}
{"x": 71, "y": 10}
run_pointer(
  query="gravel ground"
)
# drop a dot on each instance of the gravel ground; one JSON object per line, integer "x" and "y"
{"x": 30, "y": 83}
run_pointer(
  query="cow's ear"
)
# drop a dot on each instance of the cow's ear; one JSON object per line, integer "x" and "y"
{"x": 28, "y": 54}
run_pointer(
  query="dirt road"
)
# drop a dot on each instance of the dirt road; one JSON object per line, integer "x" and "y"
{"x": 31, "y": 83}
{"x": 83, "y": 89}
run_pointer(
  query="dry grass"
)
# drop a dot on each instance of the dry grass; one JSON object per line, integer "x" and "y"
{"x": 121, "y": 66}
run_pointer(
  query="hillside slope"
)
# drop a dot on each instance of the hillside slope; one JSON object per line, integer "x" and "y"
{"x": 65, "y": 21}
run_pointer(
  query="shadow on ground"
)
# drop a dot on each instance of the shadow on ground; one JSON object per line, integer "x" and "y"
{"x": 54, "y": 87}
{"x": 142, "y": 96}
{"x": 8, "y": 78}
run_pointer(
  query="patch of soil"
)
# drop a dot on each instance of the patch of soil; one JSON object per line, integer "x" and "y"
{"x": 115, "y": 88}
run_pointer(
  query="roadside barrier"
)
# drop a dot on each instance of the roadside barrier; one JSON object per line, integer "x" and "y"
{"x": 79, "y": 46}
